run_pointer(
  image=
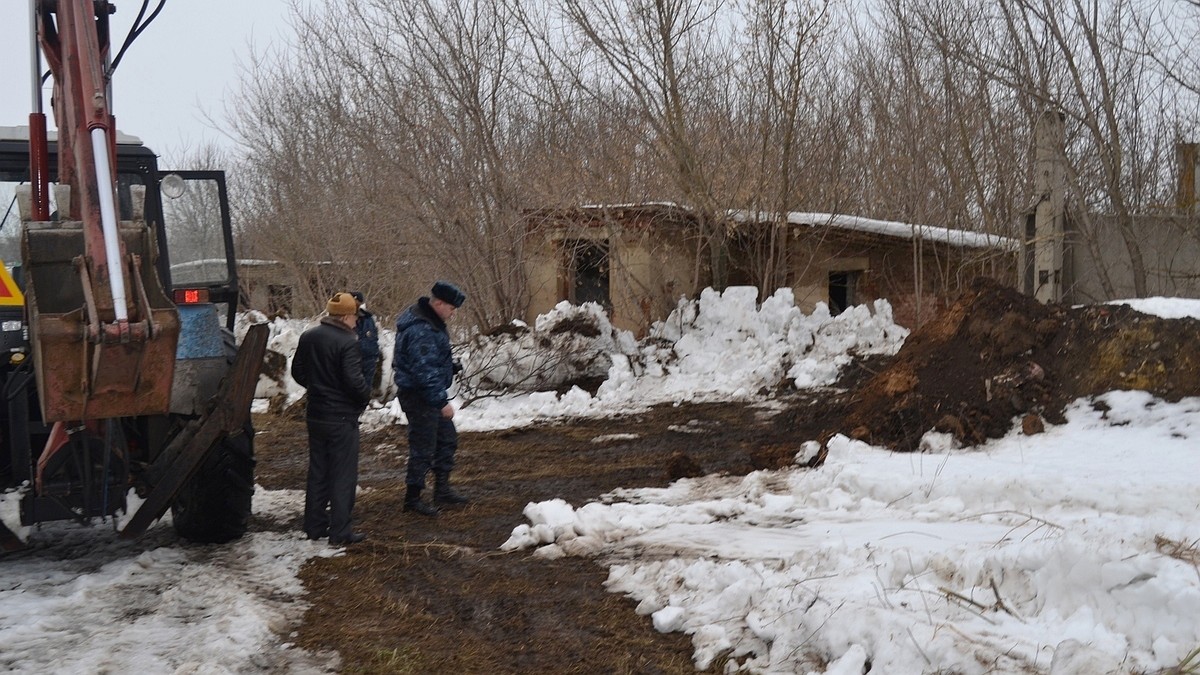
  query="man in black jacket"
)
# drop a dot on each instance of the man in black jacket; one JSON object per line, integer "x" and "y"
{"x": 329, "y": 365}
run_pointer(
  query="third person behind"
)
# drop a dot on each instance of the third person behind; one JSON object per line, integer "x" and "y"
{"x": 368, "y": 339}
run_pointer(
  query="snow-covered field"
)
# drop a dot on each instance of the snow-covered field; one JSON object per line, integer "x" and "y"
{"x": 1071, "y": 552}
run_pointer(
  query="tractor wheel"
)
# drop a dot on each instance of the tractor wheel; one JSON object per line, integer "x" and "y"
{"x": 214, "y": 507}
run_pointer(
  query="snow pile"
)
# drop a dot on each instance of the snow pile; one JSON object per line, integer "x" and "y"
{"x": 737, "y": 347}
{"x": 1050, "y": 553}
{"x": 282, "y": 338}
{"x": 722, "y": 346}
{"x": 566, "y": 344}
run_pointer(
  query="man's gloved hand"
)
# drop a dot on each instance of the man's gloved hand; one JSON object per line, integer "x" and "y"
{"x": 457, "y": 366}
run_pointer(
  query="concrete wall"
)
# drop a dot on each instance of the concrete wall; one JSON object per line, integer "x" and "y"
{"x": 649, "y": 269}
{"x": 254, "y": 282}
{"x": 542, "y": 256}
{"x": 651, "y": 272}
{"x": 887, "y": 268}
{"x": 1170, "y": 247}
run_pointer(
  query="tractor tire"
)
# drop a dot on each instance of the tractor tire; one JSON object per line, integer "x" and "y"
{"x": 214, "y": 506}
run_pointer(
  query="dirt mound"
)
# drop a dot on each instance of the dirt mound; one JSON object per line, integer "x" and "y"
{"x": 997, "y": 355}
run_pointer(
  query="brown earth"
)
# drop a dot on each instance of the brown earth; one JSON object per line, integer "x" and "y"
{"x": 996, "y": 354}
{"x": 436, "y": 595}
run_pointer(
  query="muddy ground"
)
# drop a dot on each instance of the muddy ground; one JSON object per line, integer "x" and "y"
{"x": 436, "y": 595}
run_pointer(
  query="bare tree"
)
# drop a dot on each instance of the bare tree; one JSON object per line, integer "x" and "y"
{"x": 941, "y": 144}
{"x": 780, "y": 104}
{"x": 455, "y": 115}
{"x": 663, "y": 56}
{"x": 390, "y": 129}
{"x": 306, "y": 193}
{"x": 1088, "y": 62}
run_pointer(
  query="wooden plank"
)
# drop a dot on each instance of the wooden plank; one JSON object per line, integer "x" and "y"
{"x": 230, "y": 411}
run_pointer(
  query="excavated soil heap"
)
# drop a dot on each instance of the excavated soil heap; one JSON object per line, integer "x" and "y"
{"x": 996, "y": 356}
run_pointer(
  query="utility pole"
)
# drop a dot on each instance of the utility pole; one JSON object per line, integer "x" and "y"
{"x": 1048, "y": 242}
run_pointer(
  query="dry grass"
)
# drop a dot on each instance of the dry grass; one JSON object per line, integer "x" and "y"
{"x": 1188, "y": 552}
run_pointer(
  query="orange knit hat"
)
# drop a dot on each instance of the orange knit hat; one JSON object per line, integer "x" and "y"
{"x": 341, "y": 304}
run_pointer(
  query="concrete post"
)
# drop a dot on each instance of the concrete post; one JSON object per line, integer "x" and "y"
{"x": 1048, "y": 243}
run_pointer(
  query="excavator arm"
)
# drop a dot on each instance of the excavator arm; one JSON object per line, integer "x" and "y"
{"x": 103, "y": 330}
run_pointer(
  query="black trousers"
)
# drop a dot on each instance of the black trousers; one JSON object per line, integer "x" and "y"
{"x": 332, "y": 477}
{"x": 432, "y": 440}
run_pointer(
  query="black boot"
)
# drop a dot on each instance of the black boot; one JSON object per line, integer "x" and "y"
{"x": 412, "y": 502}
{"x": 444, "y": 494}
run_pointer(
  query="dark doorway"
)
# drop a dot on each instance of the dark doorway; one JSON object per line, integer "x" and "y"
{"x": 843, "y": 291}
{"x": 279, "y": 299}
{"x": 589, "y": 272}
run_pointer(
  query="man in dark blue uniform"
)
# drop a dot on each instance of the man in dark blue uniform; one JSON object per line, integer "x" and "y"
{"x": 329, "y": 364}
{"x": 424, "y": 368}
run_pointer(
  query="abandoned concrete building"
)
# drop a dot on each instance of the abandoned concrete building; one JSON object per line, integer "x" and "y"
{"x": 637, "y": 260}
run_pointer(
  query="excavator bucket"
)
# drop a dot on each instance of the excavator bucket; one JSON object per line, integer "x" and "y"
{"x": 89, "y": 366}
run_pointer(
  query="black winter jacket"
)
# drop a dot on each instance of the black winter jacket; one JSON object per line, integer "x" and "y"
{"x": 329, "y": 365}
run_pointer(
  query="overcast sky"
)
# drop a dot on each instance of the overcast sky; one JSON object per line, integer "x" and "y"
{"x": 183, "y": 65}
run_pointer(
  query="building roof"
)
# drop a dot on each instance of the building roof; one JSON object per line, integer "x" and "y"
{"x": 887, "y": 228}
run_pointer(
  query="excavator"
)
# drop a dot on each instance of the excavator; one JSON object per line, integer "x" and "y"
{"x": 125, "y": 394}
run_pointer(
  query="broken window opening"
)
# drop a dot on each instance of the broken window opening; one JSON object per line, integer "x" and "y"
{"x": 843, "y": 291}
{"x": 588, "y": 272}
